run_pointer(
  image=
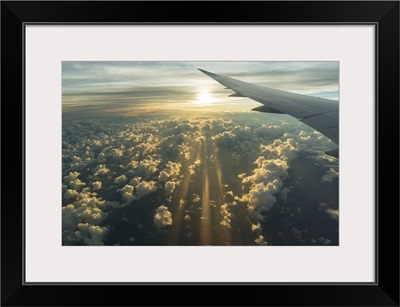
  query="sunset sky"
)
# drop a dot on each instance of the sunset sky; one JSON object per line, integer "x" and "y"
{"x": 93, "y": 89}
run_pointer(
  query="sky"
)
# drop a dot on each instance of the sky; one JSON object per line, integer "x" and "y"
{"x": 96, "y": 89}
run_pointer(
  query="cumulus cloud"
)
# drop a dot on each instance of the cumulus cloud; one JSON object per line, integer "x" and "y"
{"x": 82, "y": 219}
{"x": 145, "y": 187}
{"x": 170, "y": 187}
{"x": 71, "y": 176}
{"x": 76, "y": 184}
{"x": 227, "y": 214}
{"x": 163, "y": 217}
{"x": 171, "y": 170}
{"x": 100, "y": 169}
{"x": 91, "y": 234}
{"x": 187, "y": 218}
{"x": 96, "y": 185}
{"x": 135, "y": 181}
{"x": 127, "y": 192}
{"x": 267, "y": 179}
{"x": 70, "y": 194}
{"x": 147, "y": 167}
{"x": 120, "y": 179}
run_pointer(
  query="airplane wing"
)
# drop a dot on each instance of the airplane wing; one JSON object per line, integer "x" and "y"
{"x": 318, "y": 113}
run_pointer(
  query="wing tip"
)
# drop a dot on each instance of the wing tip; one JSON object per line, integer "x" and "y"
{"x": 206, "y": 72}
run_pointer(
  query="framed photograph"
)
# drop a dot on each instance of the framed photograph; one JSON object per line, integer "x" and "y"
{"x": 239, "y": 145}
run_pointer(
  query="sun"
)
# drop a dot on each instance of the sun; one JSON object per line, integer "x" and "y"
{"x": 204, "y": 98}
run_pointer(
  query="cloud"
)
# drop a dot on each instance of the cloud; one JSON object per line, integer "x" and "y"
{"x": 163, "y": 217}
{"x": 82, "y": 219}
{"x": 100, "y": 169}
{"x": 330, "y": 175}
{"x": 260, "y": 240}
{"x": 226, "y": 214}
{"x": 127, "y": 192}
{"x": 194, "y": 166}
{"x": 196, "y": 198}
{"x": 267, "y": 179}
{"x": 154, "y": 155}
{"x": 147, "y": 167}
{"x": 70, "y": 194}
{"x": 187, "y": 218}
{"x": 171, "y": 170}
{"x": 120, "y": 179}
{"x": 334, "y": 214}
{"x": 170, "y": 187}
{"x": 71, "y": 176}
{"x": 91, "y": 234}
{"x": 145, "y": 188}
{"x": 135, "y": 181}
{"x": 256, "y": 228}
{"x": 96, "y": 185}
{"x": 76, "y": 184}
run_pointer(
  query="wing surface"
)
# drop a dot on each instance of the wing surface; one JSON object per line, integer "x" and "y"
{"x": 318, "y": 113}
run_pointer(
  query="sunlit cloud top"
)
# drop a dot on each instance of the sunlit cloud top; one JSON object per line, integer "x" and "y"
{"x": 92, "y": 89}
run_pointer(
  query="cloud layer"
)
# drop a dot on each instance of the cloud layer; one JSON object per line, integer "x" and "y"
{"x": 235, "y": 174}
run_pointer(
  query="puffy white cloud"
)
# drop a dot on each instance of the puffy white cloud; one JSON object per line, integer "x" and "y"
{"x": 117, "y": 153}
{"x": 163, "y": 217}
{"x": 170, "y": 187}
{"x": 266, "y": 179}
{"x": 135, "y": 181}
{"x": 284, "y": 150}
{"x": 81, "y": 220}
{"x": 70, "y": 194}
{"x": 187, "y": 218}
{"x": 145, "y": 187}
{"x": 120, "y": 179}
{"x": 226, "y": 214}
{"x": 127, "y": 192}
{"x": 76, "y": 184}
{"x": 172, "y": 170}
{"x": 100, "y": 169}
{"x": 184, "y": 151}
{"x": 148, "y": 167}
{"x": 91, "y": 234}
{"x": 71, "y": 176}
{"x": 96, "y": 185}
{"x": 130, "y": 193}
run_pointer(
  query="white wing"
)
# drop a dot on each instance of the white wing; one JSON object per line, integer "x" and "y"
{"x": 318, "y": 113}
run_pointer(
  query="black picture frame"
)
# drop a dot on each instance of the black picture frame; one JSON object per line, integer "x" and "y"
{"x": 383, "y": 14}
